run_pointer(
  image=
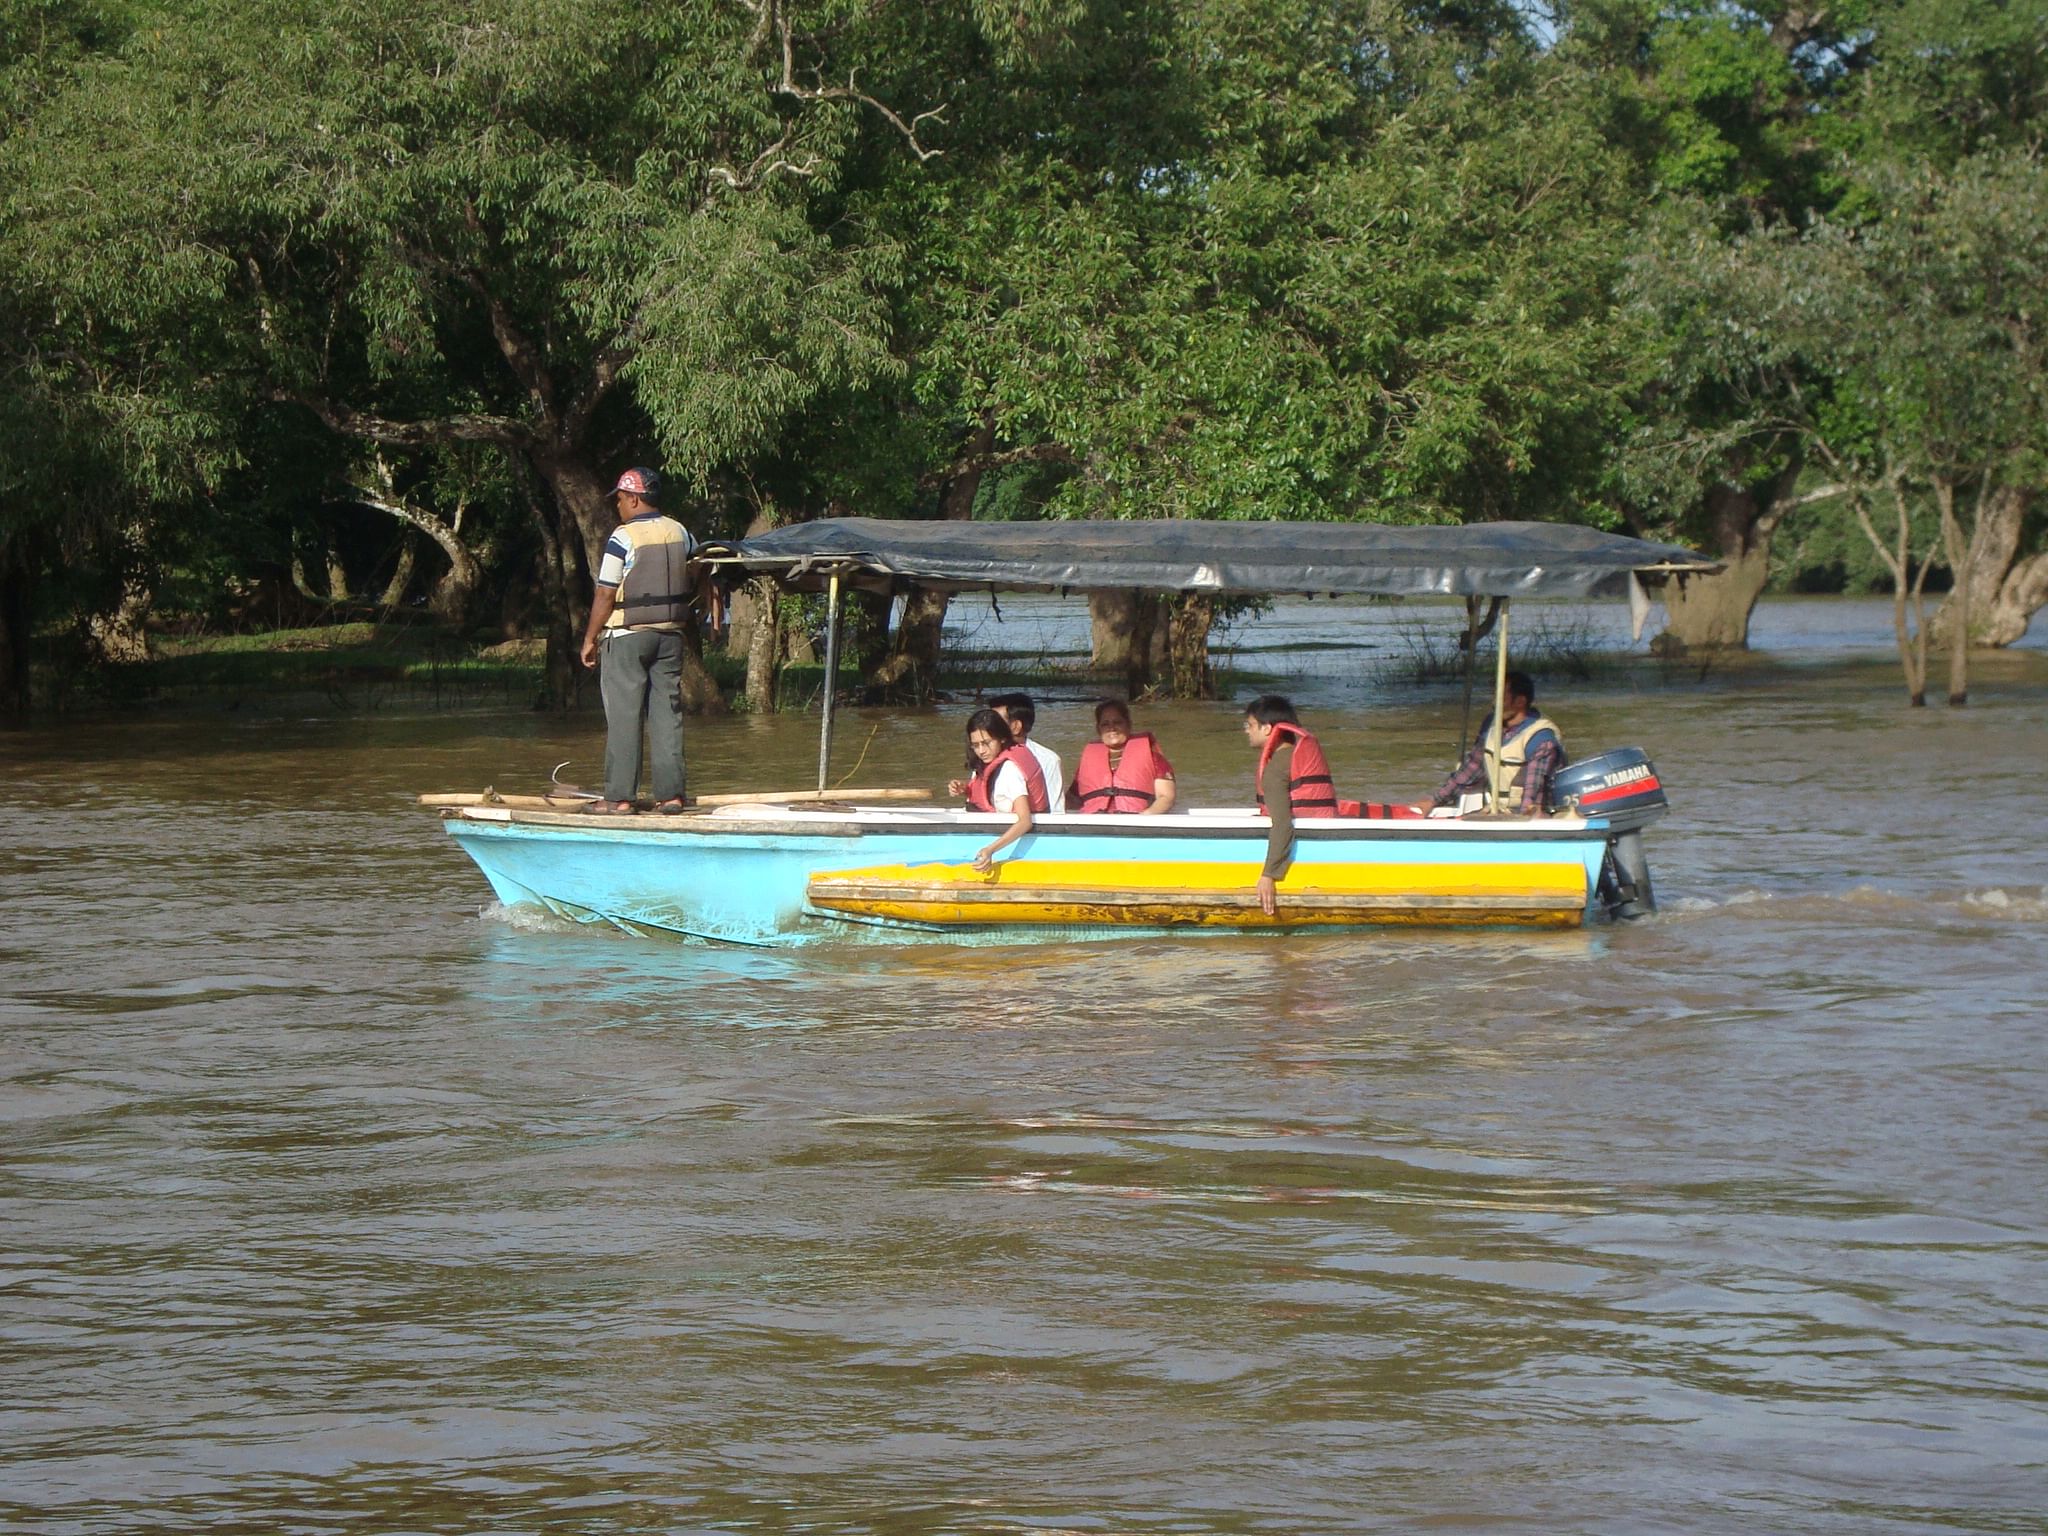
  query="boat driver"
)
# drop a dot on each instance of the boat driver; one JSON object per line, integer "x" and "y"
{"x": 1522, "y": 766}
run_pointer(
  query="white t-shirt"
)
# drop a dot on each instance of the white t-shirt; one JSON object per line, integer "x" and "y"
{"x": 1055, "y": 780}
{"x": 1008, "y": 787}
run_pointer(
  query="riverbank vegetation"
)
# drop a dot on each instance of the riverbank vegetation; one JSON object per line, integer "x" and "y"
{"x": 312, "y": 315}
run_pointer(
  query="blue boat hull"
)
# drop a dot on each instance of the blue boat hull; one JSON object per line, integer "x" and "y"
{"x": 750, "y": 881}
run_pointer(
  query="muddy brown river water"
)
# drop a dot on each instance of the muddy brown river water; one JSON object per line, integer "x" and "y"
{"x": 334, "y": 1198}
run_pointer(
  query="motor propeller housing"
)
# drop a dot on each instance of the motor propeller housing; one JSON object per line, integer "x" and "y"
{"x": 1621, "y": 788}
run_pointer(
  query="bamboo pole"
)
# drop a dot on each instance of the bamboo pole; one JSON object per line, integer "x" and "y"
{"x": 797, "y": 796}
{"x": 461, "y": 799}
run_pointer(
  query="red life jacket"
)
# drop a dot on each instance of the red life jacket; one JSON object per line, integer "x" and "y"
{"x": 1027, "y": 764}
{"x": 1127, "y": 787}
{"x": 1310, "y": 791}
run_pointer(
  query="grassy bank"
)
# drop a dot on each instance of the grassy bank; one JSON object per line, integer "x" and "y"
{"x": 352, "y": 665}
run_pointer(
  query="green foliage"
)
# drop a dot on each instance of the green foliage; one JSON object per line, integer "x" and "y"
{"x": 1384, "y": 259}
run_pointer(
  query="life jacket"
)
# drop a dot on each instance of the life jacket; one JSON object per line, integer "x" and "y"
{"x": 1128, "y": 786}
{"x": 1310, "y": 791}
{"x": 656, "y": 591}
{"x": 1034, "y": 780}
{"x": 1508, "y": 765}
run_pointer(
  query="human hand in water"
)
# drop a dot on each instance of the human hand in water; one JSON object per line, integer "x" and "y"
{"x": 1269, "y": 895}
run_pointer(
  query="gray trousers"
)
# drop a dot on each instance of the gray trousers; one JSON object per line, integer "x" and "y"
{"x": 640, "y": 675}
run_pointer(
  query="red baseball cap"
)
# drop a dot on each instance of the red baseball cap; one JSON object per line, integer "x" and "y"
{"x": 644, "y": 483}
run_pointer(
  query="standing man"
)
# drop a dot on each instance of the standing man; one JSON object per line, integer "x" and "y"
{"x": 1292, "y": 780}
{"x": 1520, "y": 765}
{"x": 1022, "y": 714}
{"x": 642, "y": 602}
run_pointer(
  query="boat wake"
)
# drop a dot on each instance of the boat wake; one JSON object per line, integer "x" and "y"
{"x": 1994, "y": 904}
{"x": 526, "y": 918}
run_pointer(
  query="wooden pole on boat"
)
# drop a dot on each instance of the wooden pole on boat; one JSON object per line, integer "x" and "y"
{"x": 831, "y": 678}
{"x": 1498, "y": 737}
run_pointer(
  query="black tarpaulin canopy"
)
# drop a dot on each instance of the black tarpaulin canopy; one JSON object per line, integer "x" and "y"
{"x": 1476, "y": 559}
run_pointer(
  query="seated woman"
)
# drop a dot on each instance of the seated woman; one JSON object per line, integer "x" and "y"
{"x": 1003, "y": 776}
{"x": 1120, "y": 771}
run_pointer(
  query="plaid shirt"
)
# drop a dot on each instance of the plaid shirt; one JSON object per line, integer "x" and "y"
{"x": 1545, "y": 758}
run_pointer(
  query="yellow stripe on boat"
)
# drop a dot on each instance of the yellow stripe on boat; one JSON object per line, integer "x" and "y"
{"x": 1162, "y": 893}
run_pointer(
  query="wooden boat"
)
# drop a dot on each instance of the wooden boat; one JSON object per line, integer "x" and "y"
{"x": 779, "y": 875}
{"x": 773, "y": 870}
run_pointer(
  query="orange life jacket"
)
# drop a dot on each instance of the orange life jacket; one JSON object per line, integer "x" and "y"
{"x": 979, "y": 786}
{"x": 1128, "y": 786}
{"x": 1310, "y": 791}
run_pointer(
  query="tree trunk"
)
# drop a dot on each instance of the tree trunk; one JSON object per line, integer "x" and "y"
{"x": 301, "y": 583}
{"x": 910, "y": 670}
{"x": 2011, "y": 606}
{"x": 456, "y": 590}
{"x": 1908, "y": 585}
{"x": 14, "y": 630}
{"x": 751, "y": 605}
{"x": 1711, "y": 613}
{"x": 581, "y": 499}
{"x": 1188, "y": 645}
{"x": 401, "y": 575}
{"x": 562, "y": 668}
{"x": 117, "y": 638}
{"x": 763, "y": 643}
{"x": 583, "y": 521}
{"x": 1957, "y": 547}
{"x": 2007, "y": 588}
{"x": 1122, "y": 627}
{"x": 700, "y": 688}
{"x": 337, "y": 576}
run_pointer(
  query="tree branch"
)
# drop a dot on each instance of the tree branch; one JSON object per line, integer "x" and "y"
{"x": 502, "y": 430}
{"x": 980, "y": 463}
{"x": 766, "y": 164}
{"x": 848, "y": 92}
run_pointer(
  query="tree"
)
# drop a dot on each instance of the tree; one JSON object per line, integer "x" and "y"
{"x": 1726, "y": 107}
{"x": 557, "y": 230}
{"x": 1903, "y": 351}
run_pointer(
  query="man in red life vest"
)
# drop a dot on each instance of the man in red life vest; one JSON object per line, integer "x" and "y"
{"x": 1293, "y": 780}
{"x": 1120, "y": 771}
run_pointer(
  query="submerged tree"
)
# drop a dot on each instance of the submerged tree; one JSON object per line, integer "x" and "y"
{"x": 1902, "y": 352}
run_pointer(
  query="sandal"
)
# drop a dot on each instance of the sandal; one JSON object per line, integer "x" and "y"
{"x": 610, "y": 808}
{"x": 674, "y": 807}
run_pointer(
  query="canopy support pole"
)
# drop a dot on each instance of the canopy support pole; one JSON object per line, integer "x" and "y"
{"x": 1498, "y": 736}
{"x": 1476, "y": 630}
{"x": 831, "y": 677}
{"x": 1471, "y": 654}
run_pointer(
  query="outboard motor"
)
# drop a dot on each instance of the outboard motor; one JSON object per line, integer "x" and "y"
{"x": 1621, "y": 788}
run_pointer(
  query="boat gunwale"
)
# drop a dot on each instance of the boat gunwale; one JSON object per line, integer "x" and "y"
{"x": 1172, "y": 827}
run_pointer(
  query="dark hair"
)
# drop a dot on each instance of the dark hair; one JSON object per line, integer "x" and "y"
{"x": 986, "y": 720}
{"x": 1522, "y": 683}
{"x": 1018, "y": 707}
{"x": 1111, "y": 707}
{"x": 1271, "y": 709}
